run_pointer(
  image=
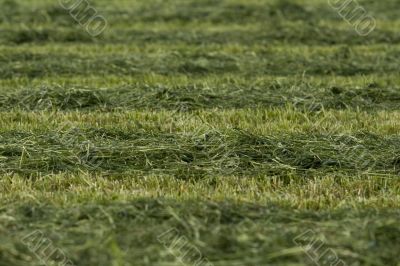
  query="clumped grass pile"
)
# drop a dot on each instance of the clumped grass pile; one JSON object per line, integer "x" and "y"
{"x": 239, "y": 124}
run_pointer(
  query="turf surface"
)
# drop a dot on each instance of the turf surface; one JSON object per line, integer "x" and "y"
{"x": 242, "y": 126}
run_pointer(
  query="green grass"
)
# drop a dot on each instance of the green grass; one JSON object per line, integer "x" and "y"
{"x": 239, "y": 124}
{"x": 200, "y": 60}
{"x": 195, "y": 154}
{"x": 112, "y": 233}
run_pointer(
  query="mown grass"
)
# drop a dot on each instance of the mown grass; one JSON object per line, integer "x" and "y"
{"x": 241, "y": 124}
{"x": 277, "y": 21}
{"x": 204, "y": 143}
{"x": 277, "y": 33}
{"x": 195, "y": 155}
{"x": 170, "y": 183}
{"x": 189, "y": 97}
{"x": 114, "y": 232}
{"x": 188, "y": 60}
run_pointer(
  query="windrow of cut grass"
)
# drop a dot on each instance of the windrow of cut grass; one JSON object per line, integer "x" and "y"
{"x": 224, "y": 232}
{"x": 219, "y": 12}
{"x": 288, "y": 21}
{"x": 198, "y": 155}
{"x": 243, "y": 61}
{"x": 277, "y": 33}
{"x": 230, "y": 95}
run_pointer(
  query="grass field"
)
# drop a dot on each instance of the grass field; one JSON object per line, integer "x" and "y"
{"x": 199, "y": 132}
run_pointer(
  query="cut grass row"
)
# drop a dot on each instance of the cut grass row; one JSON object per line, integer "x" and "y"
{"x": 223, "y": 22}
{"x": 195, "y": 155}
{"x": 274, "y": 34}
{"x": 230, "y": 95}
{"x": 280, "y": 34}
{"x": 113, "y": 233}
{"x": 217, "y": 12}
{"x": 234, "y": 60}
{"x": 202, "y": 143}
